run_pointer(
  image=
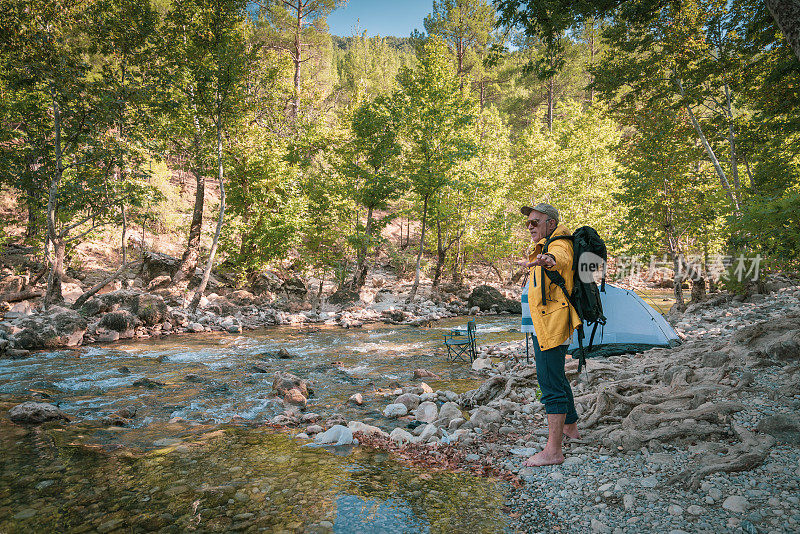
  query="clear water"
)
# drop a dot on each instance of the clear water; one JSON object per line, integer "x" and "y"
{"x": 219, "y": 468}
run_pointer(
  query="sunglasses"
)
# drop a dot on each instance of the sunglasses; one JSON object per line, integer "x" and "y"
{"x": 534, "y": 223}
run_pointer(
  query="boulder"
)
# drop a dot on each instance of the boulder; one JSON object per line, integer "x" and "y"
{"x": 155, "y": 264}
{"x": 344, "y": 295}
{"x": 482, "y": 364}
{"x": 150, "y": 309}
{"x": 60, "y": 328}
{"x": 119, "y": 321}
{"x": 410, "y": 400}
{"x": 486, "y": 418}
{"x": 159, "y": 282}
{"x": 21, "y": 309}
{"x": 147, "y": 383}
{"x": 426, "y": 412}
{"x": 485, "y": 297}
{"x": 34, "y": 413}
{"x": 783, "y": 427}
{"x": 283, "y": 382}
{"x": 448, "y": 412}
{"x": 395, "y": 410}
{"x": 401, "y": 437}
{"x": 368, "y": 430}
{"x": 357, "y": 399}
{"x": 294, "y": 397}
{"x": 428, "y": 431}
{"x": 336, "y": 435}
{"x": 424, "y": 373}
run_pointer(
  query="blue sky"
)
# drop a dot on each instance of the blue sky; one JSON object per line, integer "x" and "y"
{"x": 380, "y": 17}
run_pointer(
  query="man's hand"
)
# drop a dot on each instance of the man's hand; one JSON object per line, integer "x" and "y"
{"x": 542, "y": 260}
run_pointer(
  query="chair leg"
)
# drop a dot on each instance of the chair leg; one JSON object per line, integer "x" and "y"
{"x": 527, "y": 355}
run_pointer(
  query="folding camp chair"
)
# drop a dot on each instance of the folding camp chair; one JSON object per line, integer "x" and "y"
{"x": 461, "y": 343}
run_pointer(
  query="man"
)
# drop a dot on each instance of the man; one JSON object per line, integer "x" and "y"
{"x": 552, "y": 319}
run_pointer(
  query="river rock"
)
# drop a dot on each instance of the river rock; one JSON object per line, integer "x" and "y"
{"x": 195, "y": 327}
{"x": 34, "y": 413}
{"x": 425, "y": 387}
{"x": 284, "y": 354}
{"x": 313, "y": 429}
{"x": 357, "y": 399}
{"x": 424, "y": 373}
{"x": 395, "y": 410}
{"x": 283, "y": 382}
{"x": 119, "y": 321}
{"x": 155, "y": 264}
{"x": 410, "y": 400}
{"x": 455, "y": 424}
{"x": 61, "y": 327}
{"x": 736, "y": 504}
{"x": 295, "y": 397}
{"x": 486, "y": 418}
{"x": 784, "y": 427}
{"x": 150, "y": 309}
{"x": 21, "y": 309}
{"x": 482, "y": 364}
{"x": 369, "y": 430}
{"x": 426, "y": 412}
{"x": 485, "y": 297}
{"x": 147, "y": 383}
{"x": 401, "y": 436}
{"x": 428, "y": 432}
{"x": 336, "y": 435}
{"x": 448, "y": 412}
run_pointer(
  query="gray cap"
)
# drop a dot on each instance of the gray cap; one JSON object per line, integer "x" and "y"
{"x": 541, "y": 207}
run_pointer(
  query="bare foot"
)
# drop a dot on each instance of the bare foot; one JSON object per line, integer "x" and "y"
{"x": 571, "y": 431}
{"x": 544, "y": 458}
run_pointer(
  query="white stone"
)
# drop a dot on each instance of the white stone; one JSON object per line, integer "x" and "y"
{"x": 395, "y": 410}
{"x": 336, "y": 435}
{"x": 425, "y": 387}
{"x": 426, "y": 412}
{"x": 694, "y": 509}
{"x": 401, "y": 436}
{"x": 428, "y": 431}
{"x": 736, "y": 504}
{"x": 358, "y": 426}
{"x": 674, "y": 509}
{"x": 649, "y": 482}
{"x": 357, "y": 399}
{"x": 628, "y": 501}
{"x": 481, "y": 364}
{"x": 448, "y": 412}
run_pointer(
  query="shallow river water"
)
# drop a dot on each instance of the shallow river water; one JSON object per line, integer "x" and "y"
{"x": 218, "y": 467}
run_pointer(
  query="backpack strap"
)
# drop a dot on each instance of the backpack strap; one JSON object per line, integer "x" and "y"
{"x": 549, "y": 274}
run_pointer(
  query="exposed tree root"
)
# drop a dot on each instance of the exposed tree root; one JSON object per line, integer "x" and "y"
{"x": 748, "y": 454}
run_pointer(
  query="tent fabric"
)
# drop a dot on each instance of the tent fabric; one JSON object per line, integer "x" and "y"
{"x": 632, "y": 325}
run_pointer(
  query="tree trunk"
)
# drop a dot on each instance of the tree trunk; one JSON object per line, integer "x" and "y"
{"x": 297, "y": 59}
{"x": 207, "y": 273}
{"x": 360, "y": 277}
{"x": 56, "y": 274}
{"x": 190, "y": 256}
{"x": 677, "y": 281}
{"x": 456, "y": 263}
{"x": 787, "y": 16}
{"x": 550, "y": 104}
{"x": 441, "y": 253}
{"x": 415, "y": 287}
{"x": 707, "y": 146}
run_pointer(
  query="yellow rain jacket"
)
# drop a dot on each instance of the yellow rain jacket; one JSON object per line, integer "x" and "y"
{"x": 555, "y": 319}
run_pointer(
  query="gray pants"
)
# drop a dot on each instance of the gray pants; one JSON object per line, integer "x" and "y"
{"x": 556, "y": 391}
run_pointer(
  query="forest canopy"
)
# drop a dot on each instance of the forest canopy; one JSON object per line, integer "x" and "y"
{"x": 671, "y": 127}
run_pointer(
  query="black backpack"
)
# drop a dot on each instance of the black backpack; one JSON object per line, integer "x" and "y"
{"x": 585, "y": 297}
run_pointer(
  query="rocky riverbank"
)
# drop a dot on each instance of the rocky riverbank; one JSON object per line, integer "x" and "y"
{"x": 704, "y": 437}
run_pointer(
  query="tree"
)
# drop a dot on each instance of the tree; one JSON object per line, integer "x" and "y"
{"x": 368, "y": 163}
{"x": 436, "y": 120}
{"x": 46, "y": 67}
{"x": 466, "y": 26}
{"x": 301, "y": 27}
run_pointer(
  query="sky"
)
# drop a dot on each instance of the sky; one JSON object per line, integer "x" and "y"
{"x": 380, "y": 17}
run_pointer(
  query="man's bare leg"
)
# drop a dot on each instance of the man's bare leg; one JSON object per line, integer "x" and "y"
{"x": 571, "y": 431}
{"x": 551, "y": 455}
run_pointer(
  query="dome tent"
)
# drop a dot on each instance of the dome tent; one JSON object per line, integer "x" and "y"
{"x": 631, "y": 326}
